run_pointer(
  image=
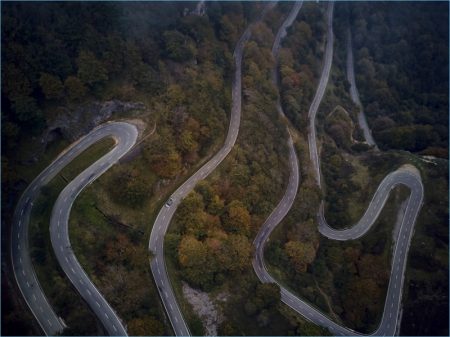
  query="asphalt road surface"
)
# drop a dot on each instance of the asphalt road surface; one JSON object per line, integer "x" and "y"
{"x": 156, "y": 242}
{"x": 287, "y": 201}
{"x": 355, "y": 95}
{"x": 407, "y": 175}
{"x": 313, "y": 152}
{"x": 125, "y": 135}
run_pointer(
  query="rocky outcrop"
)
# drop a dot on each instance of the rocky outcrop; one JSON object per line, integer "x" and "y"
{"x": 72, "y": 124}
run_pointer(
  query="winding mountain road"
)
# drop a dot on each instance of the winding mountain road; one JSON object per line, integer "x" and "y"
{"x": 406, "y": 175}
{"x": 313, "y": 152}
{"x": 125, "y": 136}
{"x": 156, "y": 242}
{"x": 287, "y": 201}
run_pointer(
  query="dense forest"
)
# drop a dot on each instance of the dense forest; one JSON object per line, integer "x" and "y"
{"x": 61, "y": 61}
{"x": 62, "y": 56}
{"x": 349, "y": 280}
{"x": 210, "y": 241}
{"x": 402, "y": 73}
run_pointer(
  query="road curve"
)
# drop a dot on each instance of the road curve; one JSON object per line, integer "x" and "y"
{"x": 156, "y": 242}
{"x": 313, "y": 152}
{"x": 406, "y": 175}
{"x": 125, "y": 135}
{"x": 287, "y": 201}
{"x": 355, "y": 95}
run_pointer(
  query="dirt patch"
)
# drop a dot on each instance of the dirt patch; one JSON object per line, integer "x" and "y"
{"x": 204, "y": 308}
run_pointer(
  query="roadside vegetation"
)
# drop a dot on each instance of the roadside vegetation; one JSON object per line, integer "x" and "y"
{"x": 402, "y": 74}
{"x": 209, "y": 244}
{"x": 349, "y": 279}
{"x": 179, "y": 67}
{"x": 60, "y": 292}
{"x": 61, "y": 56}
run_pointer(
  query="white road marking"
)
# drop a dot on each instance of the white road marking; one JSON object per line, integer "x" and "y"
{"x": 106, "y": 315}
{"x": 21, "y": 212}
{"x": 23, "y": 272}
{"x": 114, "y": 327}
{"x": 73, "y": 271}
{"x": 98, "y": 304}
{"x": 49, "y": 322}
{"x": 34, "y": 297}
{"x": 89, "y": 293}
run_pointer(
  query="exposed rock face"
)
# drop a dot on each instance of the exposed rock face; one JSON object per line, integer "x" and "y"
{"x": 204, "y": 308}
{"x": 72, "y": 124}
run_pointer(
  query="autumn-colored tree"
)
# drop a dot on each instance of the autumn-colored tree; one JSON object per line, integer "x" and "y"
{"x": 237, "y": 218}
{"x": 236, "y": 253}
{"x": 300, "y": 254}
{"x": 145, "y": 326}
{"x": 187, "y": 142}
{"x": 166, "y": 165}
{"x": 191, "y": 252}
{"x": 361, "y": 298}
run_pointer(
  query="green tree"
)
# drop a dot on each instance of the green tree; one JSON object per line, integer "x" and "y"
{"x": 91, "y": 70}
{"x": 178, "y": 46}
{"x": 75, "y": 89}
{"x": 51, "y": 86}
